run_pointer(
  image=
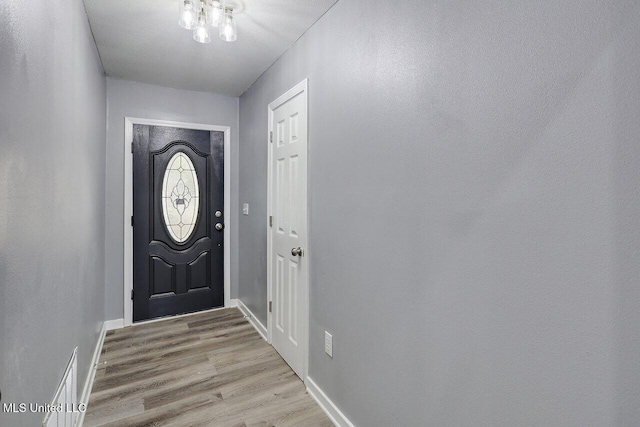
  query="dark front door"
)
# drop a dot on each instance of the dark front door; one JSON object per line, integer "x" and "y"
{"x": 178, "y": 197}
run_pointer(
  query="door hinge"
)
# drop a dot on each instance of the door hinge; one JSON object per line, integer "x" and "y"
{"x": 131, "y": 293}
{"x": 132, "y": 146}
{"x": 271, "y": 136}
{"x": 270, "y": 306}
{"x": 132, "y": 220}
{"x": 270, "y": 220}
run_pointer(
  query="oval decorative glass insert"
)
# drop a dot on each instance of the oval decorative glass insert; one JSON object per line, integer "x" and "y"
{"x": 180, "y": 197}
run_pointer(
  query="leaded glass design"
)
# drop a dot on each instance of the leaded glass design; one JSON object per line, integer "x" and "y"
{"x": 180, "y": 197}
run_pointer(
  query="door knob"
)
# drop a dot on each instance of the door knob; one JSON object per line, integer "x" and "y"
{"x": 219, "y": 226}
{"x": 296, "y": 251}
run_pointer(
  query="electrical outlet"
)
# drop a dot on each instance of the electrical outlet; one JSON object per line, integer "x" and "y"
{"x": 328, "y": 343}
{"x": 245, "y": 208}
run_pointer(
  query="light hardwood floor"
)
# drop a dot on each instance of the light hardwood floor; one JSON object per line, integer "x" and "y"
{"x": 207, "y": 369}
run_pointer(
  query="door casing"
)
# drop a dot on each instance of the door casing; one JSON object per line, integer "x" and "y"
{"x": 300, "y": 88}
{"x": 128, "y": 205}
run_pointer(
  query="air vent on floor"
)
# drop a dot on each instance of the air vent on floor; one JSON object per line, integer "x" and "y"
{"x": 64, "y": 411}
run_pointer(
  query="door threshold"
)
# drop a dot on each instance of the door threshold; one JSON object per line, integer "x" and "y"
{"x": 176, "y": 316}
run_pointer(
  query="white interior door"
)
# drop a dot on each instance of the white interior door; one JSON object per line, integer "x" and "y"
{"x": 288, "y": 229}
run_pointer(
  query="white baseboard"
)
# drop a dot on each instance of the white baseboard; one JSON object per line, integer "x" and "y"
{"x": 114, "y": 324}
{"x": 262, "y": 330}
{"x": 233, "y": 302}
{"x": 91, "y": 375}
{"x": 329, "y": 408}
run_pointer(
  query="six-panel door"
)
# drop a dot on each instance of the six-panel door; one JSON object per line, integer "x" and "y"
{"x": 289, "y": 230}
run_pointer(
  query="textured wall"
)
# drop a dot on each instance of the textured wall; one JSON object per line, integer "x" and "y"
{"x": 474, "y": 209}
{"x": 129, "y": 99}
{"x": 52, "y": 133}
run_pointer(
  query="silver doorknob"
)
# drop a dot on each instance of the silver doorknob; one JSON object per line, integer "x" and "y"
{"x": 296, "y": 251}
{"x": 219, "y": 226}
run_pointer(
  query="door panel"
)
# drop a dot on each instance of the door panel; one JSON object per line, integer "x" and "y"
{"x": 292, "y": 301}
{"x": 289, "y": 231}
{"x": 178, "y": 253}
{"x": 163, "y": 277}
{"x": 199, "y": 271}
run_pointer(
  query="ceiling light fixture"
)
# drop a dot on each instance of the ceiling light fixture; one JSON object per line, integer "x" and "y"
{"x": 201, "y": 32}
{"x": 200, "y": 15}
{"x": 228, "y": 30}
{"x": 187, "y": 15}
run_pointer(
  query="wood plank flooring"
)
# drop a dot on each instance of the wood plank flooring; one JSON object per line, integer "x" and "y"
{"x": 206, "y": 369}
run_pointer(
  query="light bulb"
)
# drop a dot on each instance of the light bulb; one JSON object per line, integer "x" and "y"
{"x": 187, "y": 18}
{"x": 228, "y": 29}
{"x": 200, "y": 32}
{"x": 215, "y": 12}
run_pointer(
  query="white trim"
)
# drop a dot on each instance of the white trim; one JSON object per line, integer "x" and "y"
{"x": 128, "y": 205}
{"x": 335, "y": 415}
{"x": 91, "y": 375}
{"x": 114, "y": 324}
{"x": 303, "y": 86}
{"x": 257, "y": 324}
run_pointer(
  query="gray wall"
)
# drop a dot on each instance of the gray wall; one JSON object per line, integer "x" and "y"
{"x": 52, "y": 133}
{"x": 474, "y": 209}
{"x": 130, "y": 99}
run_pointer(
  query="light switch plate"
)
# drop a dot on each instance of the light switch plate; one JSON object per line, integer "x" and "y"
{"x": 328, "y": 343}
{"x": 245, "y": 208}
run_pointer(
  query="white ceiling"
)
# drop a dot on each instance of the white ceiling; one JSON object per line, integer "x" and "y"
{"x": 140, "y": 40}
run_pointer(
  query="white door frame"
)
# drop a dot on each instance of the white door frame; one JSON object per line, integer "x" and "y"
{"x": 302, "y": 87}
{"x": 128, "y": 204}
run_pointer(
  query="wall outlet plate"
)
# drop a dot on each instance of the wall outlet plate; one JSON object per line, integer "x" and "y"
{"x": 328, "y": 343}
{"x": 245, "y": 208}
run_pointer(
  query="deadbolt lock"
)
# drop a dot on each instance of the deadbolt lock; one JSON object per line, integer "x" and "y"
{"x": 218, "y": 214}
